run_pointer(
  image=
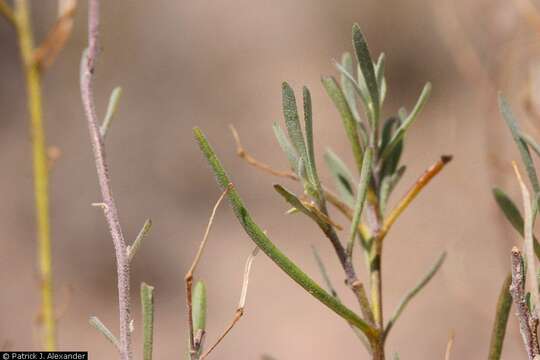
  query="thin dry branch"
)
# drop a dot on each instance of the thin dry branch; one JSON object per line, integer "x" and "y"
{"x": 110, "y": 210}
{"x": 7, "y": 12}
{"x": 528, "y": 236}
{"x": 241, "y": 304}
{"x": 189, "y": 275}
{"x": 528, "y": 323}
{"x": 329, "y": 195}
{"x": 241, "y": 152}
{"x": 55, "y": 41}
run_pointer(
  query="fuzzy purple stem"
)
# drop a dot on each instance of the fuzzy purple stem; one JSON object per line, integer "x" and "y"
{"x": 109, "y": 206}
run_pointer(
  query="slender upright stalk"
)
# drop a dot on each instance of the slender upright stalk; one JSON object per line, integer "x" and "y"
{"x": 40, "y": 165}
{"x": 109, "y": 205}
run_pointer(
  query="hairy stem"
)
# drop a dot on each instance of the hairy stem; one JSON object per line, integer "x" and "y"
{"x": 41, "y": 173}
{"x": 109, "y": 208}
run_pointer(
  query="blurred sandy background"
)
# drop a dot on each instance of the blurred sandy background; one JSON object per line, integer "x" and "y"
{"x": 211, "y": 63}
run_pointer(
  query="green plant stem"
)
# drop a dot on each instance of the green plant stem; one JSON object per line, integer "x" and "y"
{"x": 262, "y": 241}
{"x": 40, "y": 165}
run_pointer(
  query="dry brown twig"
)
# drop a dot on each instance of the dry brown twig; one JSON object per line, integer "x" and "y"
{"x": 189, "y": 275}
{"x": 241, "y": 304}
{"x": 528, "y": 323}
{"x": 56, "y": 38}
{"x": 333, "y": 199}
{"x": 241, "y": 152}
{"x": 195, "y": 340}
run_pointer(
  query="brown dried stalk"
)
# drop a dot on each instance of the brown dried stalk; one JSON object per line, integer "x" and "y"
{"x": 189, "y": 277}
{"x": 528, "y": 323}
{"x": 241, "y": 304}
{"x": 56, "y": 38}
{"x": 195, "y": 340}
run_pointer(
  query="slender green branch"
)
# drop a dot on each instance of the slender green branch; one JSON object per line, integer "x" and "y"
{"x": 41, "y": 173}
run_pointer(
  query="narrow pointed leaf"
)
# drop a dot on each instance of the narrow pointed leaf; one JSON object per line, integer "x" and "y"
{"x": 147, "y": 304}
{"x": 347, "y": 84}
{"x": 504, "y": 304}
{"x": 365, "y": 177}
{"x": 320, "y": 264}
{"x": 389, "y": 127}
{"x": 334, "y": 91}
{"x": 288, "y": 149}
{"x": 263, "y": 242}
{"x": 99, "y": 326}
{"x": 379, "y": 74}
{"x": 132, "y": 249}
{"x": 358, "y": 85}
{"x": 342, "y": 176}
{"x": 388, "y": 184}
{"x": 512, "y": 124}
{"x": 308, "y": 121}
{"x": 111, "y": 110}
{"x": 318, "y": 217}
{"x": 366, "y": 65}
{"x": 400, "y": 132}
{"x": 292, "y": 122}
{"x": 512, "y": 214}
{"x": 531, "y": 142}
{"x": 405, "y": 301}
{"x": 391, "y": 163}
